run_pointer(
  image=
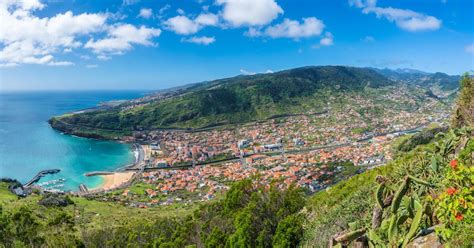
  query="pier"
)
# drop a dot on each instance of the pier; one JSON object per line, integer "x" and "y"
{"x": 98, "y": 173}
{"x": 38, "y": 176}
{"x": 83, "y": 188}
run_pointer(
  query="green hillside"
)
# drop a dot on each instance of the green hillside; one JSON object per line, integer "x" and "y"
{"x": 226, "y": 101}
{"x": 430, "y": 80}
{"x": 426, "y": 191}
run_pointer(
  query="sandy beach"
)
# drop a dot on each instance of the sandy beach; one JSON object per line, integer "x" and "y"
{"x": 114, "y": 180}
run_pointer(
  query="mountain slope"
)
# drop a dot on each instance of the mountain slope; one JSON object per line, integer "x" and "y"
{"x": 437, "y": 81}
{"x": 231, "y": 100}
{"x": 424, "y": 194}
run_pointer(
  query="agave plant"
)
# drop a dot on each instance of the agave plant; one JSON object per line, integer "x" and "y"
{"x": 403, "y": 210}
{"x": 398, "y": 216}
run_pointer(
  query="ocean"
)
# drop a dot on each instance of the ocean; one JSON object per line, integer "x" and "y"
{"x": 28, "y": 144}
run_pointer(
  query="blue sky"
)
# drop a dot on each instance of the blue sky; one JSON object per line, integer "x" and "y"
{"x": 154, "y": 44}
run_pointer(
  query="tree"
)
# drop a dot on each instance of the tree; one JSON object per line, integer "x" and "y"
{"x": 289, "y": 231}
{"x": 464, "y": 113}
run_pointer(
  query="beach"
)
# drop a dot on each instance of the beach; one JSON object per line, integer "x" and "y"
{"x": 114, "y": 180}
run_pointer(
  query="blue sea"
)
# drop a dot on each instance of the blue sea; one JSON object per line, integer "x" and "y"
{"x": 28, "y": 144}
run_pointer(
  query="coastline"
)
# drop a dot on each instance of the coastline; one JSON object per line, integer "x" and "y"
{"x": 75, "y": 155}
{"x": 113, "y": 180}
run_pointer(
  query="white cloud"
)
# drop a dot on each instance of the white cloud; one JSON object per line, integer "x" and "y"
{"x": 8, "y": 65}
{"x": 182, "y": 25}
{"x": 121, "y": 37}
{"x": 60, "y": 63}
{"x": 32, "y": 40}
{"x": 408, "y": 20}
{"x": 327, "y": 40}
{"x": 368, "y": 39}
{"x": 309, "y": 27}
{"x": 249, "y": 12}
{"x": 129, "y": 2}
{"x": 208, "y": 19}
{"x": 103, "y": 57}
{"x": 470, "y": 48}
{"x": 23, "y": 4}
{"x": 146, "y": 13}
{"x": 202, "y": 40}
{"x": 26, "y": 38}
{"x": 253, "y": 32}
{"x": 245, "y": 72}
{"x": 180, "y": 11}
{"x": 24, "y": 52}
{"x": 164, "y": 9}
{"x": 85, "y": 57}
{"x": 415, "y": 24}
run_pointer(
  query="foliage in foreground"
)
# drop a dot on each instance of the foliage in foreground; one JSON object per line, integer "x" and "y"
{"x": 251, "y": 215}
{"x": 464, "y": 112}
{"x": 428, "y": 189}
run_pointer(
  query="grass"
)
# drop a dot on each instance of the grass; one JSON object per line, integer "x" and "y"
{"x": 93, "y": 213}
{"x": 5, "y": 194}
{"x": 139, "y": 188}
{"x": 97, "y": 214}
{"x": 341, "y": 204}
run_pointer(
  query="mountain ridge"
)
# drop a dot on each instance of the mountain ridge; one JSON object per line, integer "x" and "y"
{"x": 234, "y": 100}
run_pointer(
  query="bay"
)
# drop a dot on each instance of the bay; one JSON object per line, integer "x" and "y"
{"x": 28, "y": 144}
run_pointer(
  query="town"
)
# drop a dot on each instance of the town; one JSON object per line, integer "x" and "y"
{"x": 312, "y": 151}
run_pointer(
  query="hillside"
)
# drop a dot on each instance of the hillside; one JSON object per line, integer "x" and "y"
{"x": 227, "y": 101}
{"x": 435, "y": 81}
{"x": 425, "y": 195}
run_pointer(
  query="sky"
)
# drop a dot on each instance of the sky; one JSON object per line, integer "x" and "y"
{"x": 157, "y": 44}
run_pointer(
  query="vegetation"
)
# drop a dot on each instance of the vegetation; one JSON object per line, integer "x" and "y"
{"x": 422, "y": 138}
{"x": 432, "y": 81}
{"x": 232, "y": 100}
{"x": 464, "y": 113}
{"x": 427, "y": 188}
{"x": 250, "y": 215}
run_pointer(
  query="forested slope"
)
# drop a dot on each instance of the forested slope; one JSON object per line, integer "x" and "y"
{"x": 231, "y": 100}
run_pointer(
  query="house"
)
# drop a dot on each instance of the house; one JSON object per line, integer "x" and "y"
{"x": 273, "y": 147}
{"x": 243, "y": 143}
{"x": 161, "y": 164}
{"x": 298, "y": 142}
{"x": 155, "y": 146}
